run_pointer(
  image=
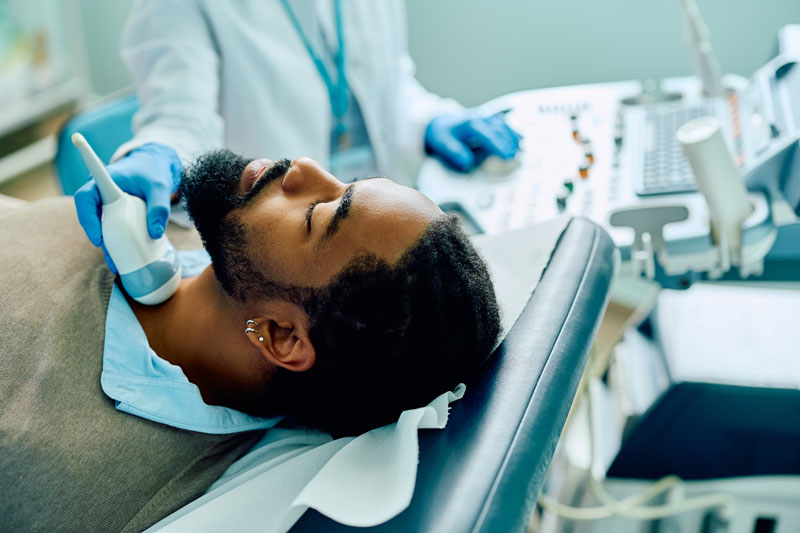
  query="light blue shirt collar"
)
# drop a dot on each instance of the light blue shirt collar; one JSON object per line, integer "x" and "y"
{"x": 143, "y": 384}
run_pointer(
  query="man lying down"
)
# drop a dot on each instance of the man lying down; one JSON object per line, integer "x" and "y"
{"x": 330, "y": 305}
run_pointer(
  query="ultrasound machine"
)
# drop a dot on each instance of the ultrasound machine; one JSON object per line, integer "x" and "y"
{"x": 608, "y": 152}
{"x": 724, "y": 448}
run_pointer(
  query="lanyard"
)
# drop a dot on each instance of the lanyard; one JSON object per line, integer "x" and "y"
{"x": 338, "y": 92}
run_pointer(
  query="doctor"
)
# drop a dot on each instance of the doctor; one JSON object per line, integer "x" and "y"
{"x": 329, "y": 79}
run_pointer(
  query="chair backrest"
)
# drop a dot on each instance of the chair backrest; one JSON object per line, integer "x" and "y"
{"x": 106, "y": 127}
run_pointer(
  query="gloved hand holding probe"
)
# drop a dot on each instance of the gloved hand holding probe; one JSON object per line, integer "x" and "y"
{"x": 151, "y": 172}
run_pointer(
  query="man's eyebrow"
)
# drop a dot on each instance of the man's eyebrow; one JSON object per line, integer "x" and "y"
{"x": 342, "y": 210}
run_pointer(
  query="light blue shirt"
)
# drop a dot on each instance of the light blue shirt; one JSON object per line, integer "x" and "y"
{"x": 143, "y": 384}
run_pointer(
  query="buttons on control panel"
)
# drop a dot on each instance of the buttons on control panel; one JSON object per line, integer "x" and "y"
{"x": 561, "y": 202}
{"x": 587, "y": 150}
{"x": 567, "y": 188}
{"x": 583, "y": 169}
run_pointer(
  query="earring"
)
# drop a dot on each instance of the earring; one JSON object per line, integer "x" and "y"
{"x": 248, "y": 329}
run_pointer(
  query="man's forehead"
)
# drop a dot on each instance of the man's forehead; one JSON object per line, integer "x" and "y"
{"x": 387, "y": 196}
{"x": 385, "y": 218}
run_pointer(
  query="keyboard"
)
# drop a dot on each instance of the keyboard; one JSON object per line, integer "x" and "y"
{"x": 665, "y": 168}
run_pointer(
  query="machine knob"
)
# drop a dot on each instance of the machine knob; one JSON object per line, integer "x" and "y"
{"x": 561, "y": 202}
{"x": 587, "y": 150}
{"x": 618, "y": 136}
{"x": 583, "y": 168}
{"x": 564, "y": 194}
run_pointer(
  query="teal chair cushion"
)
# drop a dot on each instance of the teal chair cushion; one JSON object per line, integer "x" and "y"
{"x": 106, "y": 127}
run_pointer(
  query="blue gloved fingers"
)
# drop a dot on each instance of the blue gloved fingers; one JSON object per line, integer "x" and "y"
{"x": 516, "y": 137}
{"x": 453, "y": 153}
{"x": 154, "y": 189}
{"x": 157, "y": 198}
{"x": 501, "y": 116}
{"x": 504, "y": 131}
{"x": 168, "y": 162}
{"x": 498, "y": 122}
{"x": 493, "y": 137}
{"x": 88, "y": 205}
{"x": 109, "y": 261}
{"x": 464, "y": 140}
{"x": 149, "y": 172}
{"x": 157, "y": 216}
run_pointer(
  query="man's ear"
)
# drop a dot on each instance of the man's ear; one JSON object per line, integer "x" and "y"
{"x": 281, "y": 335}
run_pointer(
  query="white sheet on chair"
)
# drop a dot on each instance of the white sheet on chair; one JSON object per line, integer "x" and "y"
{"x": 368, "y": 479}
{"x": 516, "y": 261}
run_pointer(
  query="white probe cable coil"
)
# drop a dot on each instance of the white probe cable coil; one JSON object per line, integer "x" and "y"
{"x": 631, "y": 506}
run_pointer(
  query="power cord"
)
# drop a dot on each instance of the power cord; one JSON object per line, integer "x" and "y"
{"x": 631, "y": 506}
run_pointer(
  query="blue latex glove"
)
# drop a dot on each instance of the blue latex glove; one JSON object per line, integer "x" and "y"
{"x": 462, "y": 141}
{"x": 151, "y": 172}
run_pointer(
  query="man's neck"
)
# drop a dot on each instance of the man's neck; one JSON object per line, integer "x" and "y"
{"x": 200, "y": 329}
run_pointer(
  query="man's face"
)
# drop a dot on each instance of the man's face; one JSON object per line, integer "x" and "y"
{"x": 302, "y": 225}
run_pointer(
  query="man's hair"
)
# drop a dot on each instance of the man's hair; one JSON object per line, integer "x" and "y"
{"x": 387, "y": 337}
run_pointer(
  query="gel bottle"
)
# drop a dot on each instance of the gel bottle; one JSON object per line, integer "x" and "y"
{"x": 148, "y": 268}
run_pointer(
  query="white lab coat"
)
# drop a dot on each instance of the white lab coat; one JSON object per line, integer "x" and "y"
{"x": 236, "y": 74}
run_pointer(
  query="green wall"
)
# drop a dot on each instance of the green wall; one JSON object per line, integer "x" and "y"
{"x": 102, "y": 22}
{"x": 475, "y": 50}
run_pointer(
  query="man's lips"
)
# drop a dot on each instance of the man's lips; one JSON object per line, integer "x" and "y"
{"x": 252, "y": 172}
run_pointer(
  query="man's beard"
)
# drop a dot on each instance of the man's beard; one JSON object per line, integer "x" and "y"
{"x": 209, "y": 188}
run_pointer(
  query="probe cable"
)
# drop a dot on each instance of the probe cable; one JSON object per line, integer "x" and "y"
{"x": 631, "y": 506}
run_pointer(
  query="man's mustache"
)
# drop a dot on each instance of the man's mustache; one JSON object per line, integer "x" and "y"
{"x": 277, "y": 171}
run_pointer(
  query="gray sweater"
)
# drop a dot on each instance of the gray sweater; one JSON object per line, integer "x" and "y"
{"x": 69, "y": 461}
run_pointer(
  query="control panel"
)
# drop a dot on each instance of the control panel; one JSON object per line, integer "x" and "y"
{"x": 567, "y": 161}
{"x": 588, "y": 150}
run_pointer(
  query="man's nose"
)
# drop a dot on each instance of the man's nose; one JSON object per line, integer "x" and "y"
{"x": 306, "y": 175}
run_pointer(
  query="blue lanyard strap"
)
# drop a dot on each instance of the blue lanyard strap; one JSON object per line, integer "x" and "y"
{"x": 338, "y": 92}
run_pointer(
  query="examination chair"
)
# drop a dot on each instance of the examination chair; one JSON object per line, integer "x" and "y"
{"x": 484, "y": 470}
